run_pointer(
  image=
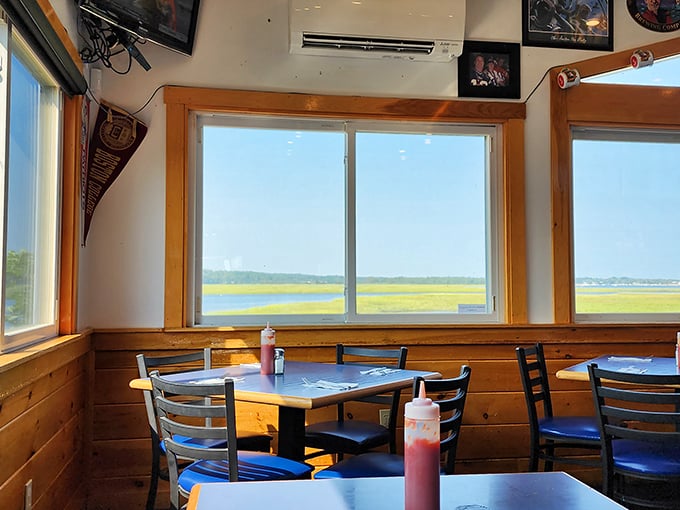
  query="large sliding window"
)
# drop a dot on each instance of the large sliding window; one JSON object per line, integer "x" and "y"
{"x": 305, "y": 221}
{"x": 626, "y": 224}
{"x": 29, "y": 162}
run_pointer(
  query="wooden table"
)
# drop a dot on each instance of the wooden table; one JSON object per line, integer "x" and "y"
{"x": 293, "y": 397}
{"x": 636, "y": 364}
{"x": 538, "y": 491}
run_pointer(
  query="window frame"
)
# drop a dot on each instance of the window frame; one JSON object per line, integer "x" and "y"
{"x": 492, "y": 135}
{"x": 182, "y": 101}
{"x": 595, "y": 105}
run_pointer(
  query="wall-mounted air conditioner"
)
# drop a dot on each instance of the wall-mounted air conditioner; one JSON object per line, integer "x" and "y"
{"x": 431, "y": 30}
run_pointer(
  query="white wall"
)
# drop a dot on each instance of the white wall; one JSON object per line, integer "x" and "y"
{"x": 242, "y": 44}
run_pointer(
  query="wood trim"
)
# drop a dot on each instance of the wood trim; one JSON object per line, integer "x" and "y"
{"x": 181, "y": 101}
{"x": 515, "y": 223}
{"x": 54, "y": 20}
{"x": 621, "y": 60}
{"x": 601, "y": 105}
{"x": 275, "y": 103}
{"x": 70, "y": 216}
{"x": 176, "y": 216}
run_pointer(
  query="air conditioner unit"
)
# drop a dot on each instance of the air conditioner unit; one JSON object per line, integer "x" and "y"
{"x": 430, "y": 30}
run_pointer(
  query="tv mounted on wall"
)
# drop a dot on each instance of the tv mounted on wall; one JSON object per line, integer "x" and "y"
{"x": 170, "y": 23}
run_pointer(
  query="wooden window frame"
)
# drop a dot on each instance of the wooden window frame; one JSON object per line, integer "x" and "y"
{"x": 603, "y": 105}
{"x": 182, "y": 101}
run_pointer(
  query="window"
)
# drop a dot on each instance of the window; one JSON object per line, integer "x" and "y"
{"x": 29, "y": 159}
{"x": 626, "y": 224}
{"x": 306, "y": 221}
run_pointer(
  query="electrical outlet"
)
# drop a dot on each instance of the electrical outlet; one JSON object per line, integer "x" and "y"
{"x": 384, "y": 417}
{"x": 28, "y": 495}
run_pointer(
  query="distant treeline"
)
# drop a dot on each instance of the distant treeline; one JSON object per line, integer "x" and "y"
{"x": 624, "y": 280}
{"x": 250, "y": 277}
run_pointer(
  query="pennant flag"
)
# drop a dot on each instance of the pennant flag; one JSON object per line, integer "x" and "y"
{"x": 115, "y": 138}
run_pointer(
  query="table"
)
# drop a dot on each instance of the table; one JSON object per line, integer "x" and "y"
{"x": 293, "y": 397}
{"x": 637, "y": 364}
{"x": 519, "y": 491}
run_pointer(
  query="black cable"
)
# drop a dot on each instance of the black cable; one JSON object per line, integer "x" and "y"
{"x": 539, "y": 83}
{"x": 148, "y": 100}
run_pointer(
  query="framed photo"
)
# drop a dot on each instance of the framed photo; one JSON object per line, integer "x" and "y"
{"x": 581, "y": 24}
{"x": 489, "y": 69}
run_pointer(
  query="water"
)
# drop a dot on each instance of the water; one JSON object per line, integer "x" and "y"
{"x": 227, "y": 302}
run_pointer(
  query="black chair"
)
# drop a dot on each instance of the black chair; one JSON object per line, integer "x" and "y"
{"x": 450, "y": 394}
{"x": 640, "y": 429}
{"x": 211, "y": 417}
{"x": 358, "y": 436}
{"x": 198, "y": 360}
{"x": 569, "y": 435}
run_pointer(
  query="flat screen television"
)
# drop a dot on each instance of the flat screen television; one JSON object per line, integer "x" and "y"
{"x": 170, "y": 23}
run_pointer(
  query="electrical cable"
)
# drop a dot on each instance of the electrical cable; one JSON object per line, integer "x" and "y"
{"x": 539, "y": 83}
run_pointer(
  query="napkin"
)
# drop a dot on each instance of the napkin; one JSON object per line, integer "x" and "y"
{"x": 632, "y": 370}
{"x": 328, "y": 385}
{"x": 624, "y": 359}
{"x": 215, "y": 380}
{"x": 379, "y": 371}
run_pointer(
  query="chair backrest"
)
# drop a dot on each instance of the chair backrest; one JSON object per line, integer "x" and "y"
{"x": 381, "y": 357}
{"x": 534, "y": 375}
{"x": 198, "y": 360}
{"x": 450, "y": 394}
{"x": 182, "y": 414}
{"x": 637, "y": 407}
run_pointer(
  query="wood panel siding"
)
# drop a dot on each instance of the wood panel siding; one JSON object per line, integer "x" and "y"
{"x": 44, "y": 422}
{"x": 495, "y": 435}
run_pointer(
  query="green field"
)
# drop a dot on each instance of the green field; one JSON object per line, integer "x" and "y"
{"x": 414, "y": 298}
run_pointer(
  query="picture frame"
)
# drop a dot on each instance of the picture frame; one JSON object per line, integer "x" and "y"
{"x": 498, "y": 77}
{"x": 580, "y": 24}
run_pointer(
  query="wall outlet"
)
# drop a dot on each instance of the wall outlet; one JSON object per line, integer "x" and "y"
{"x": 384, "y": 417}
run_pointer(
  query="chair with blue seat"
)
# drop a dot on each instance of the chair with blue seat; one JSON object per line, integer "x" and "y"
{"x": 211, "y": 417}
{"x": 553, "y": 438}
{"x": 344, "y": 436}
{"x": 639, "y": 418}
{"x": 196, "y": 360}
{"x": 450, "y": 395}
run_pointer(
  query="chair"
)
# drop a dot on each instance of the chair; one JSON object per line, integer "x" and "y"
{"x": 450, "y": 395}
{"x": 210, "y": 418}
{"x": 640, "y": 436}
{"x": 550, "y": 433}
{"x": 199, "y": 360}
{"x": 358, "y": 436}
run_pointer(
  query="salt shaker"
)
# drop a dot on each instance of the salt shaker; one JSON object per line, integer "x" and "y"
{"x": 279, "y": 361}
{"x": 421, "y": 453}
{"x": 267, "y": 342}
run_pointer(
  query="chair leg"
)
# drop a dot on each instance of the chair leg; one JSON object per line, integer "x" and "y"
{"x": 549, "y": 451}
{"x": 155, "y": 472}
{"x": 533, "y": 458}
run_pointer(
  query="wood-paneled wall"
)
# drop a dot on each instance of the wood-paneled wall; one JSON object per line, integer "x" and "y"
{"x": 495, "y": 434}
{"x": 44, "y": 423}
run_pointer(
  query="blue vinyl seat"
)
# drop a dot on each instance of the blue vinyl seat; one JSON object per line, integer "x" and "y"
{"x": 553, "y": 438}
{"x": 451, "y": 395}
{"x": 639, "y": 419}
{"x": 211, "y": 417}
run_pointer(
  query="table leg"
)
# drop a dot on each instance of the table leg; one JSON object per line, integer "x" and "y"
{"x": 292, "y": 433}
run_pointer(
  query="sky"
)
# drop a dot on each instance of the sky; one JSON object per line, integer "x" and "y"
{"x": 420, "y": 201}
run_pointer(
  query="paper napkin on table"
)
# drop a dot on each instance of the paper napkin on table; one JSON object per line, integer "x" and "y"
{"x": 632, "y": 370}
{"x": 328, "y": 385}
{"x": 379, "y": 371}
{"x": 215, "y": 380}
{"x": 624, "y": 359}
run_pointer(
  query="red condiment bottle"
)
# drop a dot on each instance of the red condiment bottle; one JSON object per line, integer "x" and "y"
{"x": 267, "y": 343}
{"x": 421, "y": 453}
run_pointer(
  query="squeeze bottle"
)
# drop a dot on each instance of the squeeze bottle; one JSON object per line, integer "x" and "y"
{"x": 267, "y": 342}
{"x": 677, "y": 350}
{"x": 421, "y": 453}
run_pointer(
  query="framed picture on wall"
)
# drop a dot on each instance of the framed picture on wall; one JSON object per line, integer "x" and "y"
{"x": 582, "y": 24}
{"x": 489, "y": 69}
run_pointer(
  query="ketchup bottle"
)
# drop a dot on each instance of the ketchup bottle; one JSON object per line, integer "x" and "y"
{"x": 677, "y": 349}
{"x": 267, "y": 343}
{"x": 421, "y": 453}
